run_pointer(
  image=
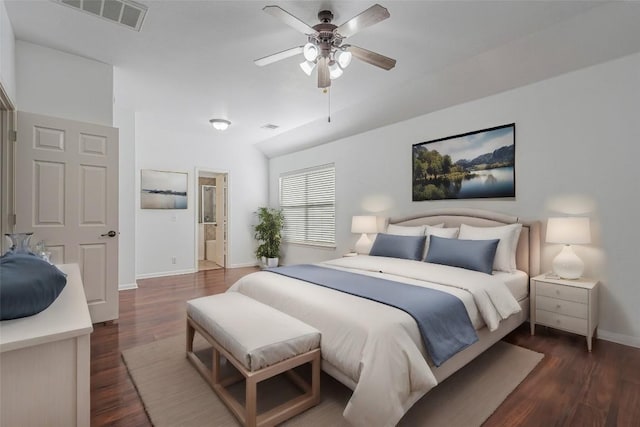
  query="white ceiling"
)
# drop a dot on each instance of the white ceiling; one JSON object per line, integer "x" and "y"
{"x": 197, "y": 57}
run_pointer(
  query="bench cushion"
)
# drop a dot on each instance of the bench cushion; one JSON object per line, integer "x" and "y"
{"x": 254, "y": 333}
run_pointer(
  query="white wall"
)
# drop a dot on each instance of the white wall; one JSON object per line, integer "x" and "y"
{"x": 577, "y": 148}
{"x": 7, "y": 54}
{"x": 60, "y": 84}
{"x": 164, "y": 142}
{"x": 124, "y": 120}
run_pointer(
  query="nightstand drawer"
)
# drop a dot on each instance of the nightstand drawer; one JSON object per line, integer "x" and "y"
{"x": 559, "y": 321}
{"x": 567, "y": 293}
{"x": 568, "y": 308}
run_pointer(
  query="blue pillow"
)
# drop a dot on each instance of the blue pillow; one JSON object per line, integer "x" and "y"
{"x": 475, "y": 255}
{"x": 28, "y": 285}
{"x": 391, "y": 245}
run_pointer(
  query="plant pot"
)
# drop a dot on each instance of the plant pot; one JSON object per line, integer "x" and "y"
{"x": 272, "y": 262}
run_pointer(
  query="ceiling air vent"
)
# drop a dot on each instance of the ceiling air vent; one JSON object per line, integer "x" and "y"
{"x": 123, "y": 12}
{"x": 269, "y": 126}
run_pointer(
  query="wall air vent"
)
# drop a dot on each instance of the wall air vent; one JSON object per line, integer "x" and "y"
{"x": 269, "y": 126}
{"x": 123, "y": 12}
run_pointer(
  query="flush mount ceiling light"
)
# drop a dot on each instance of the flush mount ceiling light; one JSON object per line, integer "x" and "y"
{"x": 220, "y": 124}
{"x": 324, "y": 50}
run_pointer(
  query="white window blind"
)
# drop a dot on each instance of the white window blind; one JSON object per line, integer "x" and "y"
{"x": 308, "y": 199}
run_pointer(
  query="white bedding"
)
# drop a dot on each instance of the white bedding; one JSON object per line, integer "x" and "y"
{"x": 517, "y": 282}
{"x": 377, "y": 346}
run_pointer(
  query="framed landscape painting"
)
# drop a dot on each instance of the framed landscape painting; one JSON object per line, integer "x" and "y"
{"x": 163, "y": 190}
{"x": 473, "y": 165}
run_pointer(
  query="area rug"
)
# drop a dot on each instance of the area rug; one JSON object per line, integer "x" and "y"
{"x": 174, "y": 393}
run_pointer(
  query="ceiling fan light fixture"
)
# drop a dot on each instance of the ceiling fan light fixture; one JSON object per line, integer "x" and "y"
{"x": 343, "y": 58}
{"x": 310, "y": 52}
{"x": 220, "y": 124}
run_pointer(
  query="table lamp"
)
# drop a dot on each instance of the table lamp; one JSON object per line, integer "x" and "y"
{"x": 364, "y": 224}
{"x": 568, "y": 231}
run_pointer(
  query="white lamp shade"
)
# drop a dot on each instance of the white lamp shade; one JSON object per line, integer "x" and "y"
{"x": 307, "y": 67}
{"x": 334, "y": 70}
{"x": 310, "y": 52}
{"x": 569, "y": 230}
{"x": 343, "y": 58}
{"x": 364, "y": 224}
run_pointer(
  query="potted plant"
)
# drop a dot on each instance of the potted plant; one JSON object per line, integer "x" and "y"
{"x": 268, "y": 233}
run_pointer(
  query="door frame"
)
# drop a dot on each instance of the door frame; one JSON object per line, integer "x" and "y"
{"x": 7, "y": 160}
{"x": 196, "y": 203}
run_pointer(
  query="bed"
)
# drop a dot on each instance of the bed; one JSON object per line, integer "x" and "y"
{"x": 377, "y": 350}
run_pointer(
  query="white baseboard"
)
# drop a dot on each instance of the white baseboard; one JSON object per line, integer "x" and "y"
{"x": 245, "y": 264}
{"x": 127, "y": 286}
{"x": 165, "y": 273}
{"x": 619, "y": 338}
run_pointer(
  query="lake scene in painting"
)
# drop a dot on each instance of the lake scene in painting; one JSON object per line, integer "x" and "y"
{"x": 163, "y": 190}
{"x": 474, "y": 165}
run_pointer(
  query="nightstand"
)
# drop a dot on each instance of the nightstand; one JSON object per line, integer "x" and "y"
{"x": 569, "y": 305}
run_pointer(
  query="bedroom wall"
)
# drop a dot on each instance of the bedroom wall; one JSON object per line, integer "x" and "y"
{"x": 60, "y": 84}
{"x": 577, "y": 145}
{"x": 7, "y": 54}
{"x": 189, "y": 143}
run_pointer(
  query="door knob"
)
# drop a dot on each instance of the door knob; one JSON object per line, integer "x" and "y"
{"x": 109, "y": 234}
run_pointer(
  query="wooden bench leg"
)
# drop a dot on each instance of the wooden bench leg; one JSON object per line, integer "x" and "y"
{"x": 315, "y": 379}
{"x": 191, "y": 332}
{"x": 251, "y": 397}
{"x": 215, "y": 366}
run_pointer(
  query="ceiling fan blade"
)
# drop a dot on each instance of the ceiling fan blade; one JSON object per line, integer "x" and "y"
{"x": 372, "y": 58}
{"x": 373, "y": 15}
{"x": 289, "y": 19}
{"x": 324, "y": 79}
{"x": 278, "y": 56}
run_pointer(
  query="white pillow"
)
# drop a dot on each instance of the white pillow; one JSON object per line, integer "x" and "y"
{"x": 401, "y": 230}
{"x": 505, "y": 259}
{"x": 437, "y": 230}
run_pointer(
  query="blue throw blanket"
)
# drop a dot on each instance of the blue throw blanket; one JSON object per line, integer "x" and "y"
{"x": 441, "y": 317}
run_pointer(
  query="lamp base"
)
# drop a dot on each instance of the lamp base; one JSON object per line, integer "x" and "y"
{"x": 567, "y": 265}
{"x": 363, "y": 245}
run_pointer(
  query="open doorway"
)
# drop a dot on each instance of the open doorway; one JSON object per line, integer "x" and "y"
{"x": 7, "y": 142}
{"x": 211, "y": 219}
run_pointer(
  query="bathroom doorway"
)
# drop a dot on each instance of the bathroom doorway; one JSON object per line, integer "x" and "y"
{"x": 211, "y": 219}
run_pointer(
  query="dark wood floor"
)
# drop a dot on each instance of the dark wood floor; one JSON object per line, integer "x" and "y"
{"x": 570, "y": 387}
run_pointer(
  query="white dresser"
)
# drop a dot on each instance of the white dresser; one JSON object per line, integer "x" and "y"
{"x": 570, "y": 305}
{"x": 44, "y": 362}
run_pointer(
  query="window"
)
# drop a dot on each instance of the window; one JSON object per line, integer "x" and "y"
{"x": 308, "y": 198}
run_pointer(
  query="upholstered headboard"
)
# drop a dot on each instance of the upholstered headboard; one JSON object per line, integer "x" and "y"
{"x": 527, "y": 252}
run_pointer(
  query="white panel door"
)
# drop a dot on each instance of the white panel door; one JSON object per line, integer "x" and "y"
{"x": 66, "y": 182}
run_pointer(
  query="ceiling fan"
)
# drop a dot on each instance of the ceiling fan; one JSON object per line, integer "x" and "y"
{"x": 324, "y": 48}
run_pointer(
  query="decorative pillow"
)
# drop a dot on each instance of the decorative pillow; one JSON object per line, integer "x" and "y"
{"x": 475, "y": 255}
{"x": 28, "y": 285}
{"x": 437, "y": 230}
{"x": 401, "y": 230}
{"x": 390, "y": 245}
{"x": 505, "y": 259}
